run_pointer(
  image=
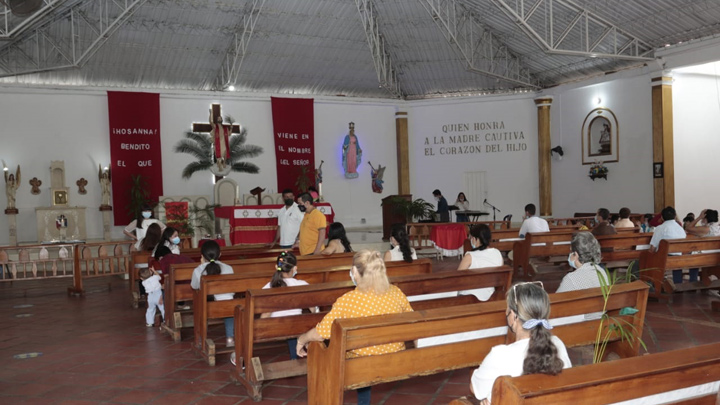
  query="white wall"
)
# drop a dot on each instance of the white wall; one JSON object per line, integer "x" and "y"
{"x": 629, "y": 182}
{"x": 696, "y": 120}
{"x": 44, "y": 125}
{"x": 511, "y": 176}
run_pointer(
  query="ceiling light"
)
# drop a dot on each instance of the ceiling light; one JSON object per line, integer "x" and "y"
{"x": 598, "y": 101}
{"x": 231, "y": 88}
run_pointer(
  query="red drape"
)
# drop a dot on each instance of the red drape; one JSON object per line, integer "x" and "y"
{"x": 134, "y": 147}
{"x": 294, "y": 133}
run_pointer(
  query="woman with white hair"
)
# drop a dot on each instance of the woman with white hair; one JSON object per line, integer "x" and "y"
{"x": 585, "y": 258}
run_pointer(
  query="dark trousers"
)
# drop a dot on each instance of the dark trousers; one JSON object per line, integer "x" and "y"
{"x": 678, "y": 276}
{"x": 292, "y": 346}
{"x": 364, "y": 396}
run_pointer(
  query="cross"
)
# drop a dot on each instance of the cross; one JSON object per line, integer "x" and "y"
{"x": 205, "y": 126}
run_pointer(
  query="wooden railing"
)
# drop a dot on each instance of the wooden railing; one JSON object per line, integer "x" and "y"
{"x": 80, "y": 260}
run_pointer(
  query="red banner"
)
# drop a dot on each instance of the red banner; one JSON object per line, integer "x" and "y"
{"x": 294, "y": 133}
{"x": 134, "y": 147}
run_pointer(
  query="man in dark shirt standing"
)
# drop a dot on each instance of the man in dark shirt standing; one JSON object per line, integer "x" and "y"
{"x": 442, "y": 206}
{"x": 603, "y": 227}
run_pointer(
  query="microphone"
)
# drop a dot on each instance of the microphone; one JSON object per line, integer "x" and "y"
{"x": 485, "y": 202}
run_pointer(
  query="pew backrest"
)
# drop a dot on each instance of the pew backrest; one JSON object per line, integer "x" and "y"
{"x": 621, "y": 380}
{"x": 330, "y": 372}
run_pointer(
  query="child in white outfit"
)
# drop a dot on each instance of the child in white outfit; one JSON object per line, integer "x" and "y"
{"x": 151, "y": 282}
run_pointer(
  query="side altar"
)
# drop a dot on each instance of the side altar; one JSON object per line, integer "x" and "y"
{"x": 60, "y": 221}
{"x": 255, "y": 224}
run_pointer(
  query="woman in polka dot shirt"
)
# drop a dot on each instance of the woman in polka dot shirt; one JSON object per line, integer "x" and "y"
{"x": 374, "y": 295}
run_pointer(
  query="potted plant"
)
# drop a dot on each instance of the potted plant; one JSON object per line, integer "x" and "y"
{"x": 139, "y": 195}
{"x": 418, "y": 209}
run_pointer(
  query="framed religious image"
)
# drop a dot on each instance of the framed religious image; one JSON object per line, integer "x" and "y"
{"x": 60, "y": 197}
{"x": 658, "y": 170}
{"x": 600, "y": 137}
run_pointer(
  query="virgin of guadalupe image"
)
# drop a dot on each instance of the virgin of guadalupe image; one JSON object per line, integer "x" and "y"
{"x": 351, "y": 153}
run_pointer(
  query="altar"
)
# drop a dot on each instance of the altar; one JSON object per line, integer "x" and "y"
{"x": 254, "y": 224}
{"x": 47, "y": 229}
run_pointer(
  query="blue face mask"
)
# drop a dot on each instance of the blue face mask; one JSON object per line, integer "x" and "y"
{"x": 175, "y": 240}
{"x": 352, "y": 278}
{"x": 571, "y": 262}
{"x": 473, "y": 244}
{"x": 146, "y": 214}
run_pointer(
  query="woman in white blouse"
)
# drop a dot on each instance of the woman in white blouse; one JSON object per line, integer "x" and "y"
{"x": 463, "y": 205}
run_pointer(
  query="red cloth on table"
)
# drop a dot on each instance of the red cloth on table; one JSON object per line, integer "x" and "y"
{"x": 449, "y": 237}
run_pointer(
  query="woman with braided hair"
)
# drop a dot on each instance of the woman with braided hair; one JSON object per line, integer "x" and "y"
{"x": 535, "y": 349}
{"x": 400, "y": 243}
{"x": 284, "y": 276}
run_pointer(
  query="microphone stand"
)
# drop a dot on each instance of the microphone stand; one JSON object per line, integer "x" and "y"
{"x": 493, "y": 207}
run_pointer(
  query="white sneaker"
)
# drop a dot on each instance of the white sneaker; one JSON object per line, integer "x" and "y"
{"x": 232, "y": 359}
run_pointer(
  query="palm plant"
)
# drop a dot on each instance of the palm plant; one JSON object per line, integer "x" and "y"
{"x": 201, "y": 147}
{"x": 614, "y": 325}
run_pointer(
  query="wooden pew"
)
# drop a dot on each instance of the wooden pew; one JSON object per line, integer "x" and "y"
{"x": 204, "y": 311}
{"x": 228, "y": 254}
{"x": 653, "y": 265}
{"x": 330, "y": 373}
{"x": 255, "y": 330}
{"x": 554, "y": 243}
{"x": 177, "y": 283}
{"x": 621, "y": 249}
{"x": 620, "y": 380}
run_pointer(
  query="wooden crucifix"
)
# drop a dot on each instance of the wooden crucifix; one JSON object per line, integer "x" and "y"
{"x": 220, "y": 134}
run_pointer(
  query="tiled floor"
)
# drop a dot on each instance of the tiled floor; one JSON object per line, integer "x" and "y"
{"x": 97, "y": 350}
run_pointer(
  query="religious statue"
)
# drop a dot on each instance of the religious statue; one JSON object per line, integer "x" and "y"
{"x": 376, "y": 176}
{"x": 81, "y": 186}
{"x": 105, "y": 178}
{"x": 35, "y": 183}
{"x": 318, "y": 178}
{"x": 12, "y": 183}
{"x": 351, "y": 153}
{"x": 605, "y": 140}
{"x": 221, "y": 140}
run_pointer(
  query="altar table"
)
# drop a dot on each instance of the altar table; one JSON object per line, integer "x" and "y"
{"x": 253, "y": 224}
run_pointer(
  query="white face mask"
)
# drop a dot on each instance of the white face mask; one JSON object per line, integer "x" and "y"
{"x": 352, "y": 277}
{"x": 571, "y": 262}
{"x": 294, "y": 273}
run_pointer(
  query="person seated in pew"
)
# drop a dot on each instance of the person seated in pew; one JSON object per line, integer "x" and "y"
{"x": 399, "y": 246}
{"x": 286, "y": 269}
{"x": 169, "y": 238}
{"x": 584, "y": 258}
{"x": 373, "y": 295}
{"x": 535, "y": 349}
{"x": 531, "y": 223}
{"x": 690, "y": 217}
{"x": 645, "y": 226}
{"x": 164, "y": 258}
{"x": 603, "y": 226}
{"x": 337, "y": 240}
{"x": 671, "y": 229}
{"x": 705, "y": 225}
{"x": 210, "y": 265}
{"x": 481, "y": 255}
{"x": 624, "y": 221}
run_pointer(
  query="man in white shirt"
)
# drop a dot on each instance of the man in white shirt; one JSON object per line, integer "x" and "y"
{"x": 532, "y": 223}
{"x": 671, "y": 229}
{"x": 289, "y": 220}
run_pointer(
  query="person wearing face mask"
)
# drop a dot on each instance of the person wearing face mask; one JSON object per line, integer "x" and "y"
{"x": 137, "y": 228}
{"x": 603, "y": 226}
{"x": 374, "y": 295}
{"x": 443, "y": 210}
{"x": 400, "y": 246}
{"x": 462, "y": 204}
{"x": 289, "y": 220}
{"x": 312, "y": 227}
{"x": 284, "y": 276}
{"x": 585, "y": 259}
{"x": 535, "y": 349}
{"x": 169, "y": 239}
{"x": 481, "y": 256}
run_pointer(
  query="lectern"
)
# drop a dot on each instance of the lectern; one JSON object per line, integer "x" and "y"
{"x": 391, "y": 215}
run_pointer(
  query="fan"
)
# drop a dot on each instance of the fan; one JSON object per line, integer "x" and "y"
{"x": 22, "y": 8}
